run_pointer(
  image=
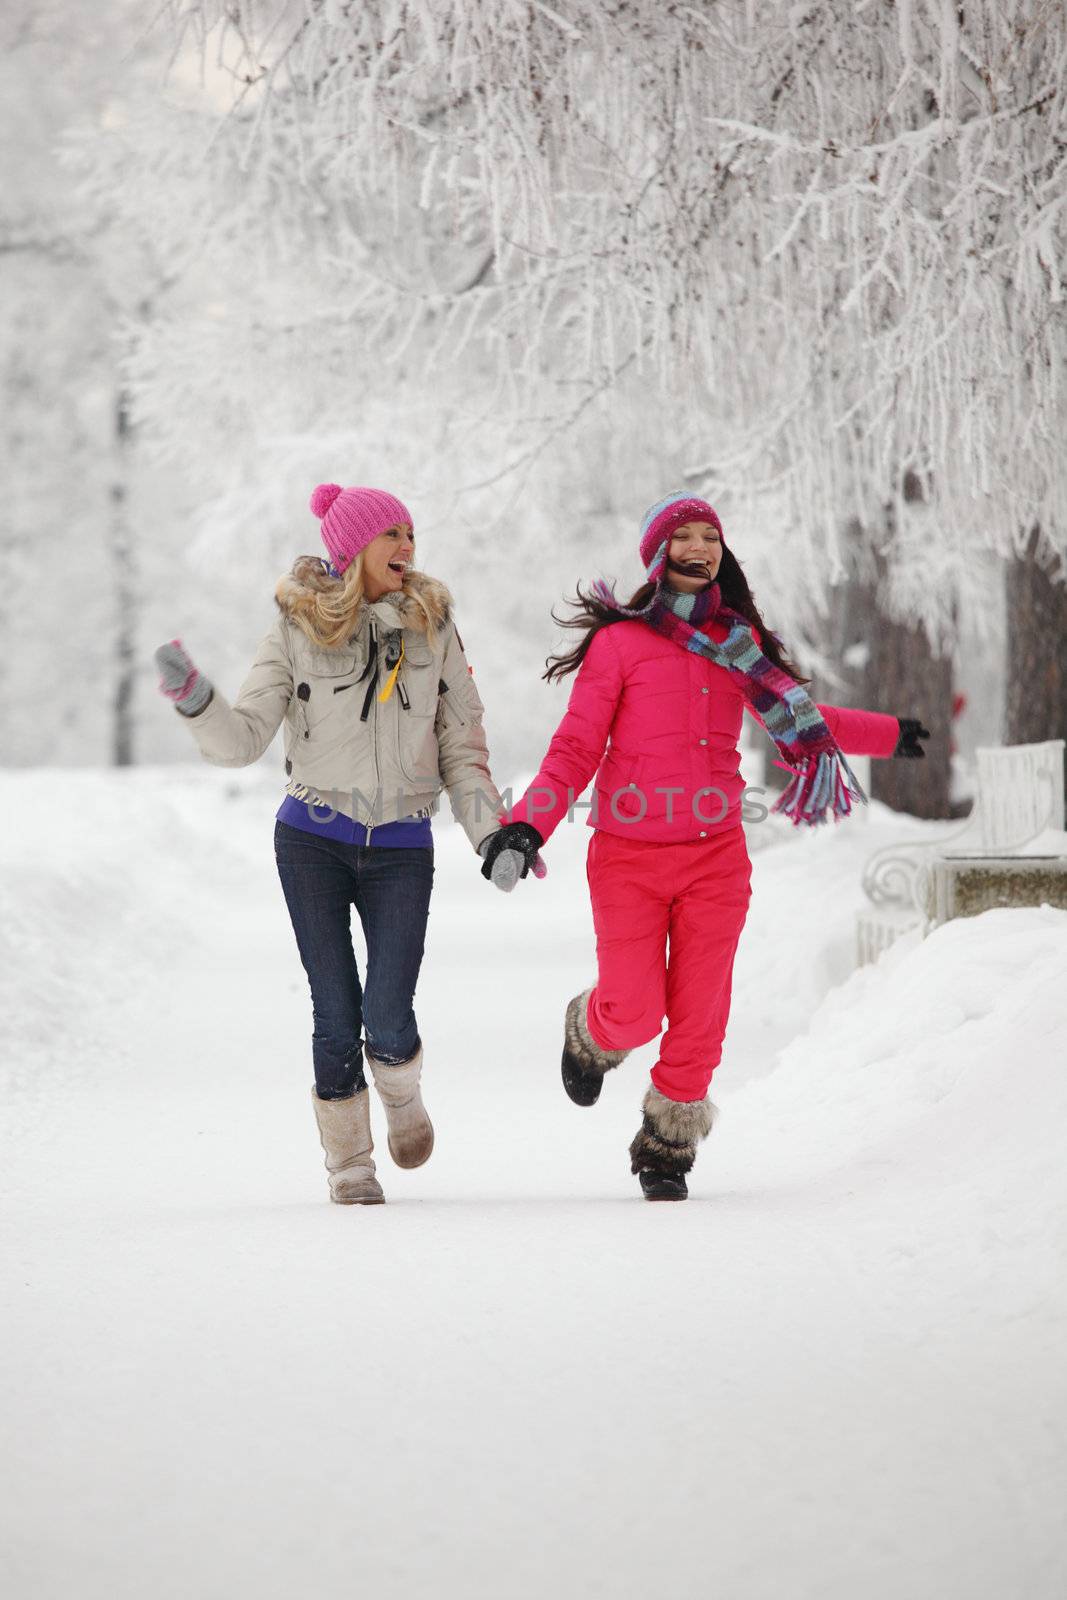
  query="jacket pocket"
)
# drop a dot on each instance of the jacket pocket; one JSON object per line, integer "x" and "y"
{"x": 459, "y": 704}
{"x": 417, "y": 684}
{"x": 418, "y": 754}
{"x": 619, "y": 782}
{"x": 320, "y": 675}
{"x": 451, "y": 713}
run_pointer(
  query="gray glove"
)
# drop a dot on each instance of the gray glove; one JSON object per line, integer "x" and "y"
{"x": 180, "y": 681}
{"x": 506, "y": 869}
{"x": 510, "y": 853}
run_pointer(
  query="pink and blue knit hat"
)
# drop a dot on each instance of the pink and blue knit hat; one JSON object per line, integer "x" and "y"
{"x": 663, "y": 519}
{"x": 351, "y": 518}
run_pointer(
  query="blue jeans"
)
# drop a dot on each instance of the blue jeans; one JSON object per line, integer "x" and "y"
{"x": 321, "y": 880}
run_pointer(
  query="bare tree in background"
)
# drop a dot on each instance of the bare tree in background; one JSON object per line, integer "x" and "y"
{"x": 1036, "y": 705}
{"x": 889, "y": 666}
{"x": 71, "y": 281}
{"x": 124, "y": 569}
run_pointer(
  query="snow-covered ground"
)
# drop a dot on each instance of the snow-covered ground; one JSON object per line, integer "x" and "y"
{"x": 838, "y": 1371}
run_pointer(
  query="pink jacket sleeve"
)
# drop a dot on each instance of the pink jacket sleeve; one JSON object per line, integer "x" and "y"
{"x": 862, "y": 733}
{"x": 578, "y": 743}
{"x": 859, "y": 733}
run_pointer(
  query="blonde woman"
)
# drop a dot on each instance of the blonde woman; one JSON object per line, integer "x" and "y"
{"x": 366, "y": 669}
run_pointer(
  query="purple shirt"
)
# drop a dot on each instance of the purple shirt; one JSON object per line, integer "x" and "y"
{"x": 412, "y": 833}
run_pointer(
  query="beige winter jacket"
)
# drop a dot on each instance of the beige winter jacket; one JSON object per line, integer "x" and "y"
{"x": 426, "y": 736}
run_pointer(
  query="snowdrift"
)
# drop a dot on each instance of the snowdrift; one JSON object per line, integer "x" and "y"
{"x": 836, "y": 1371}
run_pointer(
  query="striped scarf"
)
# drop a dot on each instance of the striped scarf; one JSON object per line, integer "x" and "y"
{"x": 823, "y": 784}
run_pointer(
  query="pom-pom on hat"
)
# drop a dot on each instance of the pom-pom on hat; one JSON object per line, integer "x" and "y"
{"x": 661, "y": 520}
{"x": 351, "y": 518}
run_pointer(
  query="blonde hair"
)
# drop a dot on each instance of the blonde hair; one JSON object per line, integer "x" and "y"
{"x": 327, "y": 609}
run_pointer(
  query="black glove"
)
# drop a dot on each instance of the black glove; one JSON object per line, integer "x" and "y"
{"x": 518, "y": 836}
{"x": 911, "y": 731}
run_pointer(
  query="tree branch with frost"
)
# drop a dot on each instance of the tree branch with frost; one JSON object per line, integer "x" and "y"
{"x": 552, "y": 190}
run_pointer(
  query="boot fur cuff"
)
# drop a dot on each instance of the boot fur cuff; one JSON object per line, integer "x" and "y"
{"x": 580, "y": 1042}
{"x": 684, "y": 1121}
{"x": 669, "y": 1133}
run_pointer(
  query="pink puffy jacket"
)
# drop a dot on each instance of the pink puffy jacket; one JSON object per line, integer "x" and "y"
{"x": 670, "y": 772}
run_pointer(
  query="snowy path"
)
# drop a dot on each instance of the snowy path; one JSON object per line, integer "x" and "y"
{"x": 837, "y": 1371}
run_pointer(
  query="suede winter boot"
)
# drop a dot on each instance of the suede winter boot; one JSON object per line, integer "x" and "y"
{"x": 410, "y": 1129}
{"x": 344, "y": 1128}
{"x": 665, "y": 1146}
{"x": 584, "y": 1062}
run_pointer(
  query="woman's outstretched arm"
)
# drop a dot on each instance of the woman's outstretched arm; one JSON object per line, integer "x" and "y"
{"x": 236, "y": 735}
{"x": 859, "y": 733}
{"x": 862, "y": 733}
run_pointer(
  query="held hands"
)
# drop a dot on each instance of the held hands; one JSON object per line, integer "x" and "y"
{"x": 180, "y": 681}
{"x": 510, "y": 853}
{"x": 911, "y": 731}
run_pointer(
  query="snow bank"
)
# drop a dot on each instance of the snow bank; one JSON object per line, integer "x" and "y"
{"x": 836, "y": 1371}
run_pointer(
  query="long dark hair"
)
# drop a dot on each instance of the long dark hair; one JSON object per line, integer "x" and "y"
{"x": 593, "y": 614}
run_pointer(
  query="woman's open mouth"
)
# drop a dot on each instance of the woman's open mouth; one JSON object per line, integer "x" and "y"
{"x": 399, "y": 567}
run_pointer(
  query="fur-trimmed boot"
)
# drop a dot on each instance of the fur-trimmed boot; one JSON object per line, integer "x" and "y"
{"x": 410, "y": 1129}
{"x": 665, "y": 1146}
{"x": 584, "y": 1062}
{"x": 344, "y": 1128}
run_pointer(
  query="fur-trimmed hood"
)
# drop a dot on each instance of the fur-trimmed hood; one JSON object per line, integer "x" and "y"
{"x": 291, "y": 595}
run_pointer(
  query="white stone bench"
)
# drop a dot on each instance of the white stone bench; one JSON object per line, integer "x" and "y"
{"x": 1018, "y": 817}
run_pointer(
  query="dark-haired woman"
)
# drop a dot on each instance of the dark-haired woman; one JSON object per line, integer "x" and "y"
{"x": 656, "y": 713}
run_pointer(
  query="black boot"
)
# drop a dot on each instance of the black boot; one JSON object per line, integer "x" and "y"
{"x": 582, "y": 1087}
{"x": 662, "y": 1186}
{"x": 584, "y": 1062}
{"x": 665, "y": 1146}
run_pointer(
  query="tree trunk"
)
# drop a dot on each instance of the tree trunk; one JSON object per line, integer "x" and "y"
{"x": 889, "y": 666}
{"x": 124, "y": 592}
{"x": 905, "y": 678}
{"x": 1036, "y": 699}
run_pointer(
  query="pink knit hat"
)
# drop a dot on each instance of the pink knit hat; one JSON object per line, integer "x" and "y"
{"x": 351, "y": 518}
{"x": 663, "y": 519}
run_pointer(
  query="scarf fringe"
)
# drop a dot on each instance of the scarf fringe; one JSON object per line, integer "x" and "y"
{"x": 821, "y": 786}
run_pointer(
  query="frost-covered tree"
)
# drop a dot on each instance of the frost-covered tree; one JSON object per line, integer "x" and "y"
{"x": 88, "y": 527}
{"x": 828, "y": 237}
{"x": 57, "y": 407}
{"x": 843, "y": 222}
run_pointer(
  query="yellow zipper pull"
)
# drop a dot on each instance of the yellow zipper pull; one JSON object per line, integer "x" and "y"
{"x": 390, "y": 681}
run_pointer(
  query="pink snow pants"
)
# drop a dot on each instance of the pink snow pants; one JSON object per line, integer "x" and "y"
{"x": 693, "y": 896}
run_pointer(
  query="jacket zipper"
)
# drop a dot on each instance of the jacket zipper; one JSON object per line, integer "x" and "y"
{"x": 374, "y": 736}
